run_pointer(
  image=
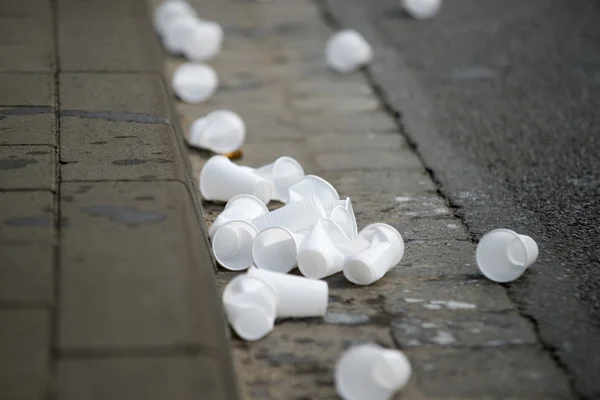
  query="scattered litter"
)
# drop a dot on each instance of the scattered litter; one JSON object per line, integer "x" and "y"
{"x": 347, "y": 50}
{"x": 221, "y": 131}
{"x": 282, "y": 173}
{"x": 409, "y": 300}
{"x": 432, "y": 306}
{"x": 243, "y": 207}
{"x": 422, "y": 9}
{"x": 195, "y": 82}
{"x": 203, "y": 42}
{"x": 311, "y": 185}
{"x": 371, "y": 372}
{"x": 169, "y": 10}
{"x": 503, "y": 255}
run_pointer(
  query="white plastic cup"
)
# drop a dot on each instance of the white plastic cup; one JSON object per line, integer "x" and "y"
{"x": 250, "y": 306}
{"x": 168, "y": 10}
{"x": 221, "y": 131}
{"x": 347, "y": 50}
{"x": 503, "y": 255}
{"x": 194, "y": 82}
{"x": 298, "y": 296}
{"x": 422, "y": 9}
{"x": 276, "y": 249}
{"x": 296, "y": 217}
{"x": 232, "y": 245}
{"x": 312, "y": 185}
{"x": 243, "y": 207}
{"x": 177, "y": 30}
{"x": 385, "y": 251}
{"x": 369, "y": 371}
{"x": 203, "y": 42}
{"x": 323, "y": 251}
{"x": 346, "y": 221}
{"x": 222, "y": 180}
{"x": 283, "y": 173}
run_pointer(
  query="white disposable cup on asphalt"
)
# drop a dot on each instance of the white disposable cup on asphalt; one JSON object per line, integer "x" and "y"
{"x": 503, "y": 255}
{"x": 298, "y": 296}
{"x": 222, "y": 180}
{"x": 369, "y": 371}
{"x": 194, "y": 82}
{"x": 323, "y": 251}
{"x": 283, "y": 173}
{"x": 251, "y": 306}
{"x": 312, "y": 185}
{"x": 347, "y": 50}
{"x": 232, "y": 245}
{"x": 168, "y": 10}
{"x": 276, "y": 249}
{"x": 176, "y": 32}
{"x": 296, "y": 217}
{"x": 243, "y": 207}
{"x": 422, "y": 9}
{"x": 221, "y": 131}
{"x": 385, "y": 251}
{"x": 347, "y": 220}
{"x": 203, "y": 42}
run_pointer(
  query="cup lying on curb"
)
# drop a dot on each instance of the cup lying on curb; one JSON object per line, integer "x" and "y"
{"x": 369, "y": 371}
{"x": 203, "y": 41}
{"x": 243, "y": 207}
{"x": 168, "y": 10}
{"x": 282, "y": 173}
{"x": 503, "y": 255}
{"x": 221, "y": 131}
{"x": 312, "y": 185}
{"x": 347, "y": 51}
{"x": 194, "y": 82}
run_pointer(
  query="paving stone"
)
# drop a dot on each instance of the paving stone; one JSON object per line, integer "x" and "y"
{"x": 149, "y": 378}
{"x": 368, "y": 160}
{"x": 26, "y": 247}
{"x": 335, "y": 105}
{"x": 26, "y": 36}
{"x": 93, "y": 149}
{"x": 25, "y": 349}
{"x": 27, "y": 90}
{"x": 519, "y": 372}
{"x": 27, "y": 167}
{"x": 17, "y": 128}
{"x": 361, "y": 122}
{"x": 332, "y": 142}
{"x": 124, "y": 94}
{"x": 422, "y": 229}
{"x": 135, "y": 271}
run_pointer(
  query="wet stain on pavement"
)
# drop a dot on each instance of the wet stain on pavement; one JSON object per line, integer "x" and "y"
{"x": 27, "y": 111}
{"x": 133, "y": 161}
{"x": 15, "y": 163}
{"x": 28, "y": 222}
{"x": 127, "y": 215}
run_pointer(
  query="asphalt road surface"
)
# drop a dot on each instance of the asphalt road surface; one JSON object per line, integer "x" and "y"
{"x": 501, "y": 99}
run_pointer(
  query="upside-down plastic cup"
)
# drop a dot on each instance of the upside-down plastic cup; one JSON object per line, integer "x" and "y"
{"x": 312, "y": 185}
{"x": 504, "y": 255}
{"x": 422, "y": 9}
{"x": 222, "y": 180}
{"x": 203, "y": 42}
{"x": 251, "y": 307}
{"x": 283, "y": 173}
{"x": 324, "y": 250}
{"x": 296, "y": 217}
{"x": 194, "y": 82}
{"x": 169, "y": 10}
{"x": 232, "y": 245}
{"x": 276, "y": 249}
{"x": 385, "y": 250}
{"x": 347, "y": 50}
{"x": 298, "y": 296}
{"x": 176, "y": 32}
{"x": 369, "y": 371}
{"x": 221, "y": 131}
{"x": 243, "y": 207}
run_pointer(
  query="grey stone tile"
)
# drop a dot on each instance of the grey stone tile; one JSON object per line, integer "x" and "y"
{"x": 27, "y": 90}
{"x": 27, "y": 167}
{"x": 25, "y": 125}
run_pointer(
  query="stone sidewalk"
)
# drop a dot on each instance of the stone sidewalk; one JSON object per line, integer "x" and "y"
{"x": 465, "y": 338}
{"x": 106, "y": 285}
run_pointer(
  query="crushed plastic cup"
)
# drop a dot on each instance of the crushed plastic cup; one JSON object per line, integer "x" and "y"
{"x": 342, "y": 213}
{"x": 312, "y": 185}
{"x": 369, "y": 371}
{"x": 422, "y": 9}
{"x": 176, "y": 32}
{"x": 232, "y": 245}
{"x": 347, "y": 50}
{"x": 168, "y": 10}
{"x": 250, "y": 306}
{"x": 298, "y": 296}
{"x": 243, "y": 207}
{"x": 203, "y": 42}
{"x": 222, "y": 180}
{"x": 385, "y": 250}
{"x": 503, "y": 255}
{"x": 296, "y": 217}
{"x": 324, "y": 250}
{"x": 283, "y": 173}
{"x": 194, "y": 82}
{"x": 221, "y": 131}
{"x": 276, "y": 249}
